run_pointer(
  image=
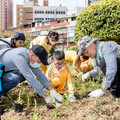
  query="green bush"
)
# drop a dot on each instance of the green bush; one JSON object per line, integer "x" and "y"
{"x": 26, "y": 44}
{"x": 73, "y": 48}
{"x": 101, "y": 19}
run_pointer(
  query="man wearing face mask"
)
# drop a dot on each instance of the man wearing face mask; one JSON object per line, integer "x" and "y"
{"x": 47, "y": 42}
{"x": 21, "y": 64}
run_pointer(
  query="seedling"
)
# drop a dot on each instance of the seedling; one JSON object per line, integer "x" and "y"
{"x": 66, "y": 100}
{"x": 56, "y": 113}
{"x": 28, "y": 101}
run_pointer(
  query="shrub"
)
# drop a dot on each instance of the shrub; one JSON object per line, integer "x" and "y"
{"x": 101, "y": 19}
{"x": 73, "y": 48}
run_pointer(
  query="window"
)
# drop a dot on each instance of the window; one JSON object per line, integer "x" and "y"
{"x": 20, "y": 13}
{"x": 20, "y": 22}
{"x": 35, "y": 12}
{"x": 20, "y": 9}
{"x": 20, "y": 18}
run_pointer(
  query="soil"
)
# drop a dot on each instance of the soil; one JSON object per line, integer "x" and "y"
{"x": 102, "y": 108}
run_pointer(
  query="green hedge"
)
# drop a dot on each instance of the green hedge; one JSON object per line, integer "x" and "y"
{"x": 101, "y": 19}
{"x": 73, "y": 48}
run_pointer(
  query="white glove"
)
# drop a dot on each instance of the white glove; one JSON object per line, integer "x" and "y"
{"x": 80, "y": 73}
{"x": 72, "y": 98}
{"x": 56, "y": 95}
{"x": 86, "y": 76}
{"x": 96, "y": 93}
{"x": 58, "y": 104}
{"x": 49, "y": 100}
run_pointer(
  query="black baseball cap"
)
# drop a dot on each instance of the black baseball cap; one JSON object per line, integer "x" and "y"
{"x": 40, "y": 51}
{"x": 18, "y": 36}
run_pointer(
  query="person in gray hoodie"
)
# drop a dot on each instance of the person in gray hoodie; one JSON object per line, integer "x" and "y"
{"x": 105, "y": 58}
{"x": 20, "y": 64}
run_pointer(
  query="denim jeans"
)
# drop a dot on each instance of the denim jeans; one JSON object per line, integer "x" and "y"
{"x": 9, "y": 81}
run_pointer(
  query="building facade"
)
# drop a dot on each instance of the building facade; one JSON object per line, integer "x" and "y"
{"x": 48, "y": 13}
{"x": 19, "y": 15}
{"x": 31, "y": 12}
{"x": 89, "y": 2}
{"x": 6, "y": 14}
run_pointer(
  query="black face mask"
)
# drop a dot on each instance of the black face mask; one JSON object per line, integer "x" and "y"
{"x": 84, "y": 57}
{"x": 13, "y": 44}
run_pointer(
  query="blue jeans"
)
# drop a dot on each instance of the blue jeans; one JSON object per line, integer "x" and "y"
{"x": 9, "y": 81}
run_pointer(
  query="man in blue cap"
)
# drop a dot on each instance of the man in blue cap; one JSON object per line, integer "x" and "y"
{"x": 15, "y": 41}
{"x": 105, "y": 58}
{"x": 20, "y": 64}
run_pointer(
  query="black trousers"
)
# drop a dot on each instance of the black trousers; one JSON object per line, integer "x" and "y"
{"x": 115, "y": 85}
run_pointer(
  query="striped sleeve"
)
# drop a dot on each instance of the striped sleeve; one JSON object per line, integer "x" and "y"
{"x": 70, "y": 81}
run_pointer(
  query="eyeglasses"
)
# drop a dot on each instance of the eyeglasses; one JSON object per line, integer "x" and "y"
{"x": 59, "y": 64}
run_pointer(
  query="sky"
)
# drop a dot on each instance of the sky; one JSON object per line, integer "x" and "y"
{"x": 70, "y": 4}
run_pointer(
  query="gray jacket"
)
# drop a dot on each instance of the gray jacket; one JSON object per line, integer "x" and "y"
{"x": 17, "y": 59}
{"x": 110, "y": 51}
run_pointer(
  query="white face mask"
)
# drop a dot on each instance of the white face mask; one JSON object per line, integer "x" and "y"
{"x": 52, "y": 43}
{"x": 35, "y": 65}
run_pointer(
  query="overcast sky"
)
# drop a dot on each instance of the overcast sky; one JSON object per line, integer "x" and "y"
{"x": 70, "y": 4}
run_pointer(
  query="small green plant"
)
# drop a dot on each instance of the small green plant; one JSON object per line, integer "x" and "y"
{"x": 83, "y": 88}
{"x": 28, "y": 101}
{"x": 66, "y": 100}
{"x": 97, "y": 106}
{"x": 10, "y": 97}
{"x": 19, "y": 99}
{"x": 36, "y": 116}
{"x": 56, "y": 113}
{"x": 35, "y": 107}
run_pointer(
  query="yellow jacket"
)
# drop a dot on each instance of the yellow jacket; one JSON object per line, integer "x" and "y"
{"x": 41, "y": 40}
{"x": 86, "y": 66}
{"x": 59, "y": 79}
{"x": 71, "y": 56}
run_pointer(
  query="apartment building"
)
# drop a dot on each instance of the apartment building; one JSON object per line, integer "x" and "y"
{"x": 32, "y": 12}
{"x": 48, "y": 13}
{"x": 6, "y": 14}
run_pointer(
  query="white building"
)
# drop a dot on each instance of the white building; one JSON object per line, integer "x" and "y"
{"x": 89, "y": 2}
{"x": 48, "y": 13}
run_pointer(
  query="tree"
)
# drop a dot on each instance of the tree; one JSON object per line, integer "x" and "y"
{"x": 101, "y": 20}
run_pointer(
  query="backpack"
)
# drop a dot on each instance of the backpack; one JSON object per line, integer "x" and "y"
{"x": 4, "y": 41}
{"x": 2, "y": 67}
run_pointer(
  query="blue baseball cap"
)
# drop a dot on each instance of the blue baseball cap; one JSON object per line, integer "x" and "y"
{"x": 18, "y": 36}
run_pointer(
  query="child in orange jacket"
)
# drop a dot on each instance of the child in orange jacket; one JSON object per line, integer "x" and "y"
{"x": 59, "y": 75}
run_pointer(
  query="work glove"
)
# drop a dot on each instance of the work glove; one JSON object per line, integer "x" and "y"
{"x": 72, "y": 98}
{"x": 57, "y": 104}
{"x": 96, "y": 93}
{"x": 86, "y": 76}
{"x": 56, "y": 95}
{"x": 80, "y": 73}
{"x": 49, "y": 99}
